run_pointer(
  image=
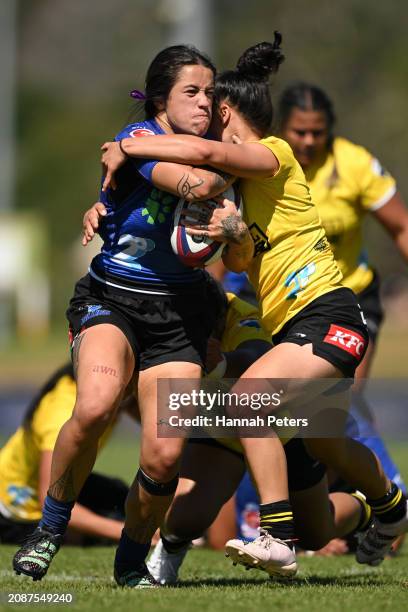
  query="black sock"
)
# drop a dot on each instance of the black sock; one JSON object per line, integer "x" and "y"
{"x": 130, "y": 554}
{"x": 277, "y": 519}
{"x": 391, "y": 507}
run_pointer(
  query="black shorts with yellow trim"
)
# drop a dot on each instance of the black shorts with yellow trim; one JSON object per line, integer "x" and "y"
{"x": 304, "y": 472}
{"x": 159, "y": 328}
{"x": 333, "y": 324}
{"x": 370, "y": 302}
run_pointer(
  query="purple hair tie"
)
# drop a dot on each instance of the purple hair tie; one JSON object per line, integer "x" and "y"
{"x": 138, "y": 95}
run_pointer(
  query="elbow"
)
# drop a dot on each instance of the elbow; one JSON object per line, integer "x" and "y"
{"x": 237, "y": 267}
{"x": 235, "y": 264}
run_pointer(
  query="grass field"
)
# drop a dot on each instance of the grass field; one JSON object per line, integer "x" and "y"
{"x": 208, "y": 580}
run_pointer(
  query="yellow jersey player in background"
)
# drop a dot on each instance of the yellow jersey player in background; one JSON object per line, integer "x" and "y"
{"x": 322, "y": 339}
{"x": 346, "y": 183}
{"x": 25, "y": 463}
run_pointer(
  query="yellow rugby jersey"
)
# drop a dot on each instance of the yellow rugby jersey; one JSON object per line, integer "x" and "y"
{"x": 293, "y": 263}
{"x": 20, "y": 457}
{"x": 344, "y": 185}
{"x": 242, "y": 324}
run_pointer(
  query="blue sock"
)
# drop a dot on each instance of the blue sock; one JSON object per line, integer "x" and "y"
{"x": 56, "y": 515}
{"x": 130, "y": 554}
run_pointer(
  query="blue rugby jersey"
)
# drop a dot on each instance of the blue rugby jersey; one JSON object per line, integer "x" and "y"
{"x": 136, "y": 253}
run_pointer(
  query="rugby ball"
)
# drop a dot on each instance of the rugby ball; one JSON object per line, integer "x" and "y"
{"x": 195, "y": 251}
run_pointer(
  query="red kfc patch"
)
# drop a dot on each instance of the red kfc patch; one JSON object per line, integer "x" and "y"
{"x": 346, "y": 339}
{"x": 141, "y": 132}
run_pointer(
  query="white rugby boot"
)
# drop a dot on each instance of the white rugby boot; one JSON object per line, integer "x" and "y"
{"x": 164, "y": 566}
{"x": 267, "y": 553}
{"x": 376, "y": 543}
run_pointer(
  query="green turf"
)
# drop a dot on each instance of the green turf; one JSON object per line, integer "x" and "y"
{"x": 210, "y": 582}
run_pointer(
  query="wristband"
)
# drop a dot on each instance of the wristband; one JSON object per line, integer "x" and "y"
{"x": 122, "y": 149}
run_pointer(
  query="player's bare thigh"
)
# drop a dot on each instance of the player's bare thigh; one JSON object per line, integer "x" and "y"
{"x": 104, "y": 364}
{"x": 159, "y": 457}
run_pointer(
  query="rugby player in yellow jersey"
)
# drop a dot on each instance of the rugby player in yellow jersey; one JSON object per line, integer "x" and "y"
{"x": 25, "y": 463}
{"x": 212, "y": 469}
{"x": 314, "y": 321}
{"x": 346, "y": 183}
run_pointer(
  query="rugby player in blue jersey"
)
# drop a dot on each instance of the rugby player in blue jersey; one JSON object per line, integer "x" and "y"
{"x": 138, "y": 308}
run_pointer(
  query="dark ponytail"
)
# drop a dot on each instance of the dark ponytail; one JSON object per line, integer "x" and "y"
{"x": 247, "y": 88}
{"x": 306, "y": 97}
{"x": 262, "y": 60}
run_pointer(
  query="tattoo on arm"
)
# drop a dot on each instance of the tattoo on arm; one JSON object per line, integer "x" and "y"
{"x": 185, "y": 188}
{"x": 63, "y": 488}
{"x": 234, "y": 229}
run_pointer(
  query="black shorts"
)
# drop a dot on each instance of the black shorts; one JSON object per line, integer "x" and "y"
{"x": 304, "y": 472}
{"x": 159, "y": 328}
{"x": 370, "y": 302}
{"x": 334, "y": 326}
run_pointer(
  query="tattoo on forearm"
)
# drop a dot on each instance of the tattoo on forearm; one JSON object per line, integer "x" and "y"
{"x": 63, "y": 488}
{"x": 234, "y": 229}
{"x": 75, "y": 352}
{"x": 185, "y": 188}
{"x": 105, "y": 370}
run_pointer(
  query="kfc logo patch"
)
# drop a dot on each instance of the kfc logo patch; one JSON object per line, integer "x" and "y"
{"x": 141, "y": 132}
{"x": 347, "y": 340}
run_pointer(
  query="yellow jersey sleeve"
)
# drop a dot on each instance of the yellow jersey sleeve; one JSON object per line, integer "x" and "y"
{"x": 346, "y": 183}
{"x": 242, "y": 324}
{"x": 376, "y": 185}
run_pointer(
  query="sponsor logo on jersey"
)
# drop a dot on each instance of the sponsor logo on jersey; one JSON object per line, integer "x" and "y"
{"x": 158, "y": 207}
{"x": 138, "y": 132}
{"x": 346, "y": 339}
{"x": 19, "y": 495}
{"x": 321, "y": 245}
{"x": 260, "y": 239}
{"x": 249, "y": 523}
{"x": 250, "y": 323}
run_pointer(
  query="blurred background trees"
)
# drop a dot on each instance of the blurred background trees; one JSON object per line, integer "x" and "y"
{"x": 77, "y": 62}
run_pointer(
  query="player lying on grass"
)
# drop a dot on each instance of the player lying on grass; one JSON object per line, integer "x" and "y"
{"x": 25, "y": 464}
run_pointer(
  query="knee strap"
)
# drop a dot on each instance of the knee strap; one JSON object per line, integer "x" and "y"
{"x": 156, "y": 488}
